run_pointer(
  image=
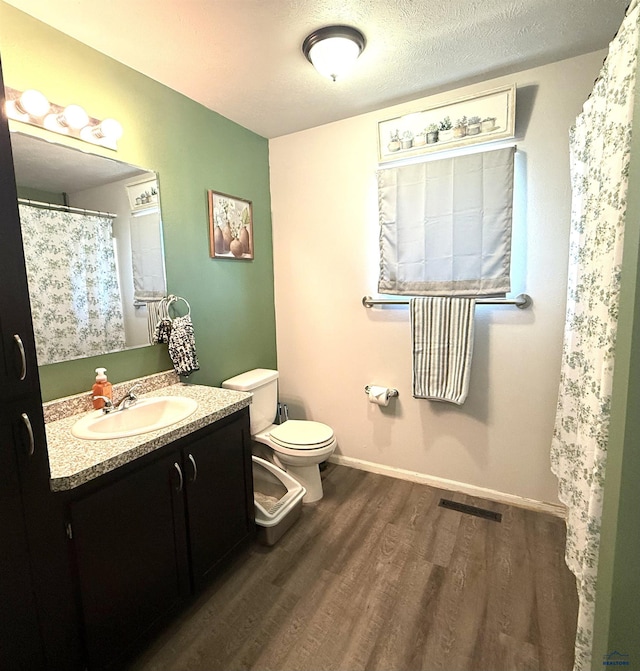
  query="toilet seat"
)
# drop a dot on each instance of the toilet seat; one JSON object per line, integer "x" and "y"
{"x": 296, "y": 434}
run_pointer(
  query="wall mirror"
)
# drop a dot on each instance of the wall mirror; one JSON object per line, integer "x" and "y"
{"x": 92, "y": 233}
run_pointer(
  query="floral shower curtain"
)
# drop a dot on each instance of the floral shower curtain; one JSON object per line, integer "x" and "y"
{"x": 600, "y": 154}
{"x": 73, "y": 284}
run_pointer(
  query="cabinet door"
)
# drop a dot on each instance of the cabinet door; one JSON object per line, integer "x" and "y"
{"x": 18, "y": 365}
{"x": 219, "y": 495}
{"x": 20, "y": 641}
{"x": 130, "y": 550}
{"x": 44, "y": 517}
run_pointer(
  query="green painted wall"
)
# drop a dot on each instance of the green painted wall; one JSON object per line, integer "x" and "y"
{"x": 38, "y": 194}
{"x": 617, "y": 625}
{"x": 192, "y": 149}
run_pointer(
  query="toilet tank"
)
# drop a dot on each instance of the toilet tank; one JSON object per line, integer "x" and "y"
{"x": 263, "y": 384}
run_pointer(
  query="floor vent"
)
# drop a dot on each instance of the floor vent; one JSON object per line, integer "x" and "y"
{"x": 471, "y": 510}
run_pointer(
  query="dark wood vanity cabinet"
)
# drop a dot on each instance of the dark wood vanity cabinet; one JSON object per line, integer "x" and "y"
{"x": 147, "y": 538}
{"x": 129, "y": 547}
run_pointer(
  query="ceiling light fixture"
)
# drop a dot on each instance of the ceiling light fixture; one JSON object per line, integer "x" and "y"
{"x": 334, "y": 49}
{"x": 32, "y": 107}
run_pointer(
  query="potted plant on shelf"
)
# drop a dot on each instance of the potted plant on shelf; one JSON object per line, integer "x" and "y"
{"x": 445, "y": 130}
{"x": 407, "y": 139}
{"x": 432, "y": 133}
{"x": 488, "y": 124}
{"x": 420, "y": 138}
{"x": 473, "y": 125}
{"x": 460, "y": 129}
{"x": 394, "y": 142}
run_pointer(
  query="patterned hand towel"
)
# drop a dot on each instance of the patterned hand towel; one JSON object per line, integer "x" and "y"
{"x": 182, "y": 346}
{"x": 162, "y": 331}
{"x": 442, "y": 337}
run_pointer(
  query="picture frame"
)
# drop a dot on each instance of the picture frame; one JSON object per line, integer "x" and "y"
{"x": 448, "y": 126}
{"x": 143, "y": 195}
{"x": 230, "y": 226}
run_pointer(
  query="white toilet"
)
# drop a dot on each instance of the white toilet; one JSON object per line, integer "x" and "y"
{"x": 298, "y": 445}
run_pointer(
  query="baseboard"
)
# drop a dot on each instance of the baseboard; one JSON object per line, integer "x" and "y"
{"x": 556, "y": 509}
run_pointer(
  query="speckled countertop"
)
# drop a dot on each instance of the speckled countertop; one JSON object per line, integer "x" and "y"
{"x": 74, "y": 461}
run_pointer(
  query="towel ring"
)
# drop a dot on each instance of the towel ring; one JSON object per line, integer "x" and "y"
{"x": 172, "y": 299}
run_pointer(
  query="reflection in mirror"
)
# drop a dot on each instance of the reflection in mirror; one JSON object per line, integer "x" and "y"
{"x": 92, "y": 236}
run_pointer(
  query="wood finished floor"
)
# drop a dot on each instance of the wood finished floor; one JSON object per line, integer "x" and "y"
{"x": 378, "y": 576}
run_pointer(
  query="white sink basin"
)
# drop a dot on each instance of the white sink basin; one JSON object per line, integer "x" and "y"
{"x": 147, "y": 414}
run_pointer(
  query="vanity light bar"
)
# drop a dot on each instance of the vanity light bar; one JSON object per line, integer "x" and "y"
{"x": 32, "y": 107}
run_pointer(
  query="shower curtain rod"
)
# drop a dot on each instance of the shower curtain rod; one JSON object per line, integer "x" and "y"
{"x": 521, "y": 301}
{"x": 64, "y": 208}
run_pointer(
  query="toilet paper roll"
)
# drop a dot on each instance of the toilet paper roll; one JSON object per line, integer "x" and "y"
{"x": 379, "y": 395}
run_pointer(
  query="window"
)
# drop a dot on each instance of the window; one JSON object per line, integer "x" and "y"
{"x": 445, "y": 226}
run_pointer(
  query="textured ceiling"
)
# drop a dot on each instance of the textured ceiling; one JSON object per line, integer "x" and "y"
{"x": 242, "y": 58}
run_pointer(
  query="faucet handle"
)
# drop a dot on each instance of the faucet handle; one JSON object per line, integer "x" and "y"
{"x": 130, "y": 393}
{"x": 108, "y": 403}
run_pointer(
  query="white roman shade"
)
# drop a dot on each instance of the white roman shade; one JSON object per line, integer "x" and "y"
{"x": 445, "y": 226}
{"x": 147, "y": 256}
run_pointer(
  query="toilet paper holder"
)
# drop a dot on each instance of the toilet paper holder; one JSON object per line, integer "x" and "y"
{"x": 392, "y": 392}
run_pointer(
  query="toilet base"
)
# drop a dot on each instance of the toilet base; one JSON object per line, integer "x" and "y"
{"x": 307, "y": 476}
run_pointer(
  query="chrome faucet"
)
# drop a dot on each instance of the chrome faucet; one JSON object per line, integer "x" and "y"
{"x": 108, "y": 404}
{"x": 129, "y": 399}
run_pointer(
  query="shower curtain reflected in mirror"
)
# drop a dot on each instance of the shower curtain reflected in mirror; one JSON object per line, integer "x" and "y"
{"x": 75, "y": 298}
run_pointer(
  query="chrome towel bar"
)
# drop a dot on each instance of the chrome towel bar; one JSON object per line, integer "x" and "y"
{"x": 521, "y": 301}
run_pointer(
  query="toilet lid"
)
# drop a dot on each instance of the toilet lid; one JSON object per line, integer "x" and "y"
{"x": 300, "y": 434}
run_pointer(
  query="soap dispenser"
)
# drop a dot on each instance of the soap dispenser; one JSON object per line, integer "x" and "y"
{"x": 101, "y": 387}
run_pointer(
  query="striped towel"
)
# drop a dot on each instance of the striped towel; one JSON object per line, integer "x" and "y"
{"x": 157, "y": 311}
{"x": 442, "y": 337}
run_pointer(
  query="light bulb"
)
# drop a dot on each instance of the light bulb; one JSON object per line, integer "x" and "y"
{"x": 33, "y": 102}
{"x": 11, "y": 108}
{"x": 52, "y": 122}
{"x": 109, "y": 129}
{"x": 74, "y": 117}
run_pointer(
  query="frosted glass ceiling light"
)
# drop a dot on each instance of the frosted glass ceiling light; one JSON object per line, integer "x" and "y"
{"x": 333, "y": 50}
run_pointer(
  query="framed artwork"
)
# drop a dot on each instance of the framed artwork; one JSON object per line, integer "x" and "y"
{"x": 485, "y": 117}
{"x": 230, "y": 226}
{"x": 143, "y": 194}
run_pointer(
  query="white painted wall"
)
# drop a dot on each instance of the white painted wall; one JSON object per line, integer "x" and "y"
{"x": 325, "y": 230}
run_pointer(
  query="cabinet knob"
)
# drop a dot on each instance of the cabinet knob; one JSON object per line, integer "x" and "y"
{"x": 32, "y": 443}
{"x": 195, "y": 468}
{"x": 176, "y": 465}
{"x": 23, "y": 359}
